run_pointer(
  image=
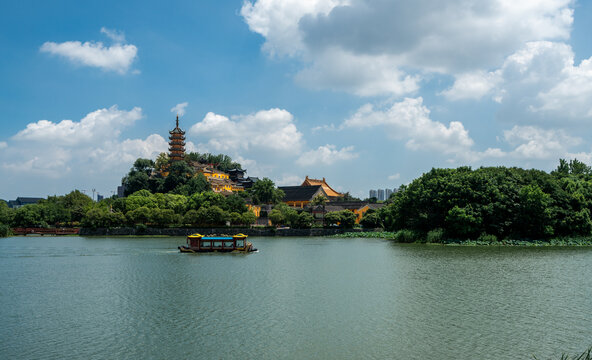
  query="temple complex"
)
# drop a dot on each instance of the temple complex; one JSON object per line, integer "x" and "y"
{"x": 177, "y": 143}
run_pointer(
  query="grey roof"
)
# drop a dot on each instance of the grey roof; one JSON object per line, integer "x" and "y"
{"x": 300, "y": 193}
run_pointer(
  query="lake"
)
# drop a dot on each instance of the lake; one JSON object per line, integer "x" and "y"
{"x": 297, "y": 298}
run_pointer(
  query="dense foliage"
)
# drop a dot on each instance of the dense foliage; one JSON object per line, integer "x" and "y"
{"x": 495, "y": 202}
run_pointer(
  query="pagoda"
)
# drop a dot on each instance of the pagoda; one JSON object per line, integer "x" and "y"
{"x": 177, "y": 143}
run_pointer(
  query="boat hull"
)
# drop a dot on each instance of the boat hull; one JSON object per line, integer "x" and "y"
{"x": 186, "y": 249}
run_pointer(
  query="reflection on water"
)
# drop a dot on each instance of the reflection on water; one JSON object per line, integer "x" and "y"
{"x": 137, "y": 298}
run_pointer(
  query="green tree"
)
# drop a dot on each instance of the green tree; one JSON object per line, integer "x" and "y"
{"x": 276, "y": 217}
{"x": 78, "y": 204}
{"x": 212, "y": 215}
{"x": 6, "y": 213}
{"x": 534, "y": 215}
{"x": 304, "y": 220}
{"x": 234, "y": 203}
{"x": 28, "y": 216}
{"x": 265, "y": 192}
{"x": 141, "y": 215}
{"x": 248, "y": 218}
{"x": 179, "y": 174}
{"x": 371, "y": 219}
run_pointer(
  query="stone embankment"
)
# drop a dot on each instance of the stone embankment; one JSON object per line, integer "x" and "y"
{"x": 207, "y": 231}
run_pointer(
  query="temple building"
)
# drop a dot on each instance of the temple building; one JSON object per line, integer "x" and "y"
{"x": 177, "y": 143}
{"x": 328, "y": 190}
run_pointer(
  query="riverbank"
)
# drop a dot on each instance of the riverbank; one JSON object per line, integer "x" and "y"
{"x": 267, "y": 231}
{"x": 482, "y": 241}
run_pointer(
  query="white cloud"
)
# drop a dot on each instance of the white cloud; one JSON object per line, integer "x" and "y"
{"x": 117, "y": 36}
{"x": 3, "y": 144}
{"x": 278, "y": 21}
{"x": 179, "y": 109}
{"x": 536, "y": 143}
{"x": 117, "y": 57}
{"x": 396, "y": 176}
{"x": 538, "y": 82}
{"x": 272, "y": 129}
{"x": 326, "y": 155}
{"x": 362, "y": 75}
{"x": 98, "y": 125}
{"x": 472, "y": 85}
{"x": 88, "y": 146}
{"x": 409, "y": 120}
{"x": 369, "y": 47}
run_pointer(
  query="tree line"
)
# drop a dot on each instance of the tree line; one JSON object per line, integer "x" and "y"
{"x": 492, "y": 203}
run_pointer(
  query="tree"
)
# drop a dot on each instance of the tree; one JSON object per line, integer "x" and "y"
{"x": 28, "y": 216}
{"x": 371, "y": 219}
{"x": 138, "y": 176}
{"x": 162, "y": 162}
{"x": 304, "y": 220}
{"x": 234, "y": 203}
{"x": 141, "y": 215}
{"x": 179, "y": 174}
{"x": 212, "y": 215}
{"x": 78, "y": 204}
{"x": 319, "y": 200}
{"x": 277, "y": 217}
{"x": 6, "y": 213}
{"x": 265, "y": 192}
{"x": 248, "y": 218}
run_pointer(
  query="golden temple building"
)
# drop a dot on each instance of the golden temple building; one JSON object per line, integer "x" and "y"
{"x": 177, "y": 143}
{"x": 323, "y": 183}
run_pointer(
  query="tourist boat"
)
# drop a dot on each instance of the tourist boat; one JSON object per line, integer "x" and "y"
{"x": 233, "y": 243}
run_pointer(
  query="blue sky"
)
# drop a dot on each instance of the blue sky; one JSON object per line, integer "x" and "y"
{"x": 368, "y": 94}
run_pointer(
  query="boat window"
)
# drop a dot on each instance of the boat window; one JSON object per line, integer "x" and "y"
{"x": 240, "y": 243}
{"x": 206, "y": 244}
{"x": 229, "y": 244}
{"x": 217, "y": 244}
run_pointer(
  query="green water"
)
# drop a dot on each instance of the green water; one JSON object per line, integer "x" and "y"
{"x": 298, "y": 298}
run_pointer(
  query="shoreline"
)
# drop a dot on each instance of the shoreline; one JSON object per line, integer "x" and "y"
{"x": 565, "y": 241}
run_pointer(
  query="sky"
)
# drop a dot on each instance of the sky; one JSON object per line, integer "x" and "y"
{"x": 365, "y": 93}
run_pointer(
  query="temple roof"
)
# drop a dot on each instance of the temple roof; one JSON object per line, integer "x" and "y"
{"x": 326, "y": 188}
{"x": 301, "y": 193}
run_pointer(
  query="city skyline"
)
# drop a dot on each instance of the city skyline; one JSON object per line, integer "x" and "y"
{"x": 365, "y": 94}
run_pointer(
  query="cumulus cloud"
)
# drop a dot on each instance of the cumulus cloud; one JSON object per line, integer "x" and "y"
{"x": 3, "y": 144}
{"x": 326, "y": 155}
{"x": 355, "y": 45}
{"x": 179, "y": 109}
{"x": 90, "y": 145}
{"x": 272, "y": 129}
{"x": 396, "y": 176}
{"x": 473, "y": 85}
{"x": 98, "y": 125}
{"x": 538, "y": 82}
{"x": 409, "y": 120}
{"x": 536, "y": 143}
{"x": 117, "y": 57}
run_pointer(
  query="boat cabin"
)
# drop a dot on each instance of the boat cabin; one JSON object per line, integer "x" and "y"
{"x": 200, "y": 243}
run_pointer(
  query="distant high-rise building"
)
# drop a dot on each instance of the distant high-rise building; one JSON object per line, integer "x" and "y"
{"x": 381, "y": 195}
{"x": 121, "y": 191}
{"x": 373, "y": 194}
{"x": 99, "y": 197}
{"x": 387, "y": 193}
